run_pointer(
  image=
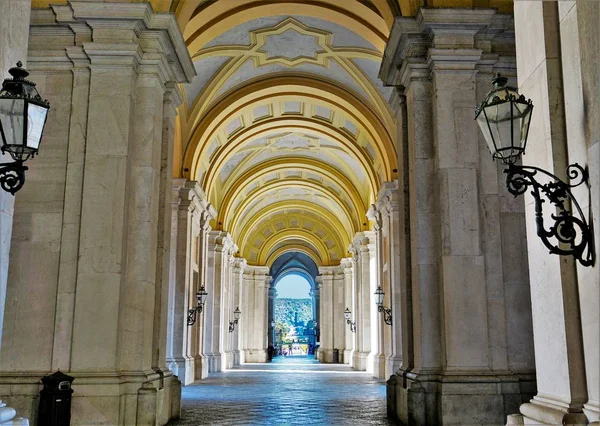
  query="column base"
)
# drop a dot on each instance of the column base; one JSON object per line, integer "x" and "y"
{"x": 237, "y": 358}
{"x": 592, "y": 412}
{"x": 542, "y": 413}
{"x": 359, "y": 361}
{"x": 214, "y": 363}
{"x": 419, "y": 399}
{"x": 392, "y": 365}
{"x": 201, "y": 370}
{"x": 377, "y": 367}
{"x": 119, "y": 399}
{"x": 348, "y": 357}
{"x": 256, "y": 356}
{"x": 184, "y": 368}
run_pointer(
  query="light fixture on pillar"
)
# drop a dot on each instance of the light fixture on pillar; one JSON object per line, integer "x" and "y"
{"x": 201, "y": 298}
{"x": 504, "y": 117}
{"x": 23, "y": 115}
{"x": 236, "y": 317}
{"x": 347, "y": 315}
{"x": 387, "y": 313}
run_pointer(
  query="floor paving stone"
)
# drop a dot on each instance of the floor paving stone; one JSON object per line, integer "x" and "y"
{"x": 289, "y": 391}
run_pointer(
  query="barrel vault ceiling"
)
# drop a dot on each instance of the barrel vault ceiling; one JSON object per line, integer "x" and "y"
{"x": 287, "y": 127}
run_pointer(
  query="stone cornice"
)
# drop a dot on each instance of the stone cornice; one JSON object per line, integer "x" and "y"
{"x": 441, "y": 40}
{"x": 115, "y": 25}
{"x": 388, "y": 197}
{"x": 256, "y": 271}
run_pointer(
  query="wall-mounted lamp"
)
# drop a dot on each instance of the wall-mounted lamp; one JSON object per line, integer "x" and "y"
{"x": 504, "y": 117}
{"x": 201, "y": 298}
{"x": 387, "y": 313}
{"x": 347, "y": 315}
{"x": 236, "y": 317}
{"x": 23, "y": 115}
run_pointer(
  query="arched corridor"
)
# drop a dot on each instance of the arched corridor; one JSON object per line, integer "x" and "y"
{"x": 197, "y": 153}
{"x": 289, "y": 391}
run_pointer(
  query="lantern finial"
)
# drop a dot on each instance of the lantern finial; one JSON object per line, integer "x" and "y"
{"x": 499, "y": 81}
{"x": 18, "y": 72}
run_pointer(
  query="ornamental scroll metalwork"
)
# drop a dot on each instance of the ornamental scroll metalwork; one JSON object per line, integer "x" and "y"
{"x": 12, "y": 176}
{"x": 569, "y": 234}
{"x": 387, "y": 314}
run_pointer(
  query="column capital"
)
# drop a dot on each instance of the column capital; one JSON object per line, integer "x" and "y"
{"x": 239, "y": 265}
{"x": 388, "y": 199}
{"x": 443, "y": 40}
{"x": 129, "y": 34}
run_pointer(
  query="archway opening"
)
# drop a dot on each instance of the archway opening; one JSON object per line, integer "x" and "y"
{"x": 293, "y": 316}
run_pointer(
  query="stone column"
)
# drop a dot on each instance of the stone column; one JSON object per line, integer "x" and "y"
{"x": 347, "y": 270}
{"x": 14, "y": 38}
{"x": 325, "y": 283}
{"x": 228, "y": 308}
{"x": 378, "y": 277}
{"x": 256, "y": 282}
{"x": 217, "y": 315}
{"x": 315, "y": 295}
{"x": 557, "y": 56}
{"x": 178, "y": 358}
{"x": 337, "y": 307}
{"x": 191, "y": 213}
{"x": 271, "y": 314}
{"x": 364, "y": 245}
{"x": 171, "y": 100}
{"x": 388, "y": 207}
{"x": 204, "y": 262}
{"x": 238, "y": 289}
{"x": 455, "y": 278}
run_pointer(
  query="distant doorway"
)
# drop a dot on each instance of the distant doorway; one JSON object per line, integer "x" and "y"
{"x": 293, "y": 315}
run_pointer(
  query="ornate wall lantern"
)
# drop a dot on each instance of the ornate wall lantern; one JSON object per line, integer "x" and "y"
{"x": 236, "y": 316}
{"x": 387, "y": 312}
{"x": 201, "y": 299}
{"x": 504, "y": 118}
{"x": 23, "y": 115}
{"x": 352, "y": 324}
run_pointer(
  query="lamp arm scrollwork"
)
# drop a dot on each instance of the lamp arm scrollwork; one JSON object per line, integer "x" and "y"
{"x": 569, "y": 234}
{"x": 191, "y": 317}
{"x": 387, "y": 314}
{"x": 12, "y": 176}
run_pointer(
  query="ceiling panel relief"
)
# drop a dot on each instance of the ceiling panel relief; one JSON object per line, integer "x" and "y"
{"x": 287, "y": 47}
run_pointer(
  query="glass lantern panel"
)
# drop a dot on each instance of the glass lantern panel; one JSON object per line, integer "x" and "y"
{"x": 347, "y": 314}
{"x": 11, "y": 120}
{"x": 523, "y": 114}
{"x": 485, "y": 129}
{"x": 379, "y": 296}
{"x": 500, "y": 126}
{"x": 36, "y": 118}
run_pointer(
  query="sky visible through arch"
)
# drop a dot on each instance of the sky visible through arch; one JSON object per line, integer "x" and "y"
{"x": 293, "y": 286}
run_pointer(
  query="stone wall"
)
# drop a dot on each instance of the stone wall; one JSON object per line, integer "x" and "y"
{"x": 558, "y": 69}
{"x": 87, "y": 288}
{"x": 461, "y": 296}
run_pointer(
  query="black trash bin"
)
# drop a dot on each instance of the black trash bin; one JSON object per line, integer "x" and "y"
{"x": 336, "y": 356}
{"x": 55, "y": 400}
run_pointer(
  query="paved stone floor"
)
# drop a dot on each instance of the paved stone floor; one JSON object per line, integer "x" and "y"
{"x": 289, "y": 391}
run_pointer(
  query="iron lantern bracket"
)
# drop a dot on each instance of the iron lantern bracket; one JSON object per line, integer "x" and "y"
{"x": 569, "y": 234}
{"x": 232, "y": 325}
{"x": 12, "y": 176}
{"x": 352, "y": 325}
{"x": 387, "y": 314}
{"x": 192, "y": 313}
